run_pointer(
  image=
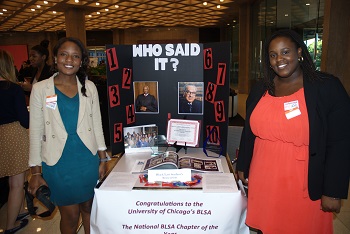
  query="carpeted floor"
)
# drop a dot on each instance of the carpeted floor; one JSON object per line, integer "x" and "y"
{"x": 236, "y": 121}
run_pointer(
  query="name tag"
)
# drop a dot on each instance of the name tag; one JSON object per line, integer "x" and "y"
{"x": 291, "y": 109}
{"x": 51, "y": 102}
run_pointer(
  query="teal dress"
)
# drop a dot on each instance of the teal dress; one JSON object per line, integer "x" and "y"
{"x": 73, "y": 178}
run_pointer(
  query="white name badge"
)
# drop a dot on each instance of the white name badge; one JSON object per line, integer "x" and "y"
{"x": 291, "y": 109}
{"x": 169, "y": 175}
{"x": 51, "y": 102}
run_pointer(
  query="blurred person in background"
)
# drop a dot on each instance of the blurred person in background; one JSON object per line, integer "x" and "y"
{"x": 14, "y": 142}
{"x": 38, "y": 57}
{"x": 26, "y": 70}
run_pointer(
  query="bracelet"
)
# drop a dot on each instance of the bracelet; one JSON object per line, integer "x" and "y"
{"x": 103, "y": 159}
{"x": 36, "y": 174}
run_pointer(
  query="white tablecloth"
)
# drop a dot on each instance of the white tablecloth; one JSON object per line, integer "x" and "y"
{"x": 165, "y": 211}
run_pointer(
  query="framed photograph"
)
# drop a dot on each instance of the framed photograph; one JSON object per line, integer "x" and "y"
{"x": 190, "y": 98}
{"x": 141, "y": 138}
{"x": 146, "y": 97}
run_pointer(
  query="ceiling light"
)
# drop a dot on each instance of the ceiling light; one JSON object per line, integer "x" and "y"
{"x": 222, "y": 0}
{"x": 38, "y": 6}
{"x": 286, "y": 15}
{"x": 1, "y": 13}
{"x": 307, "y": 4}
{"x": 205, "y": 3}
{"x": 106, "y": 9}
{"x": 54, "y": 12}
{"x": 234, "y": 21}
{"x": 32, "y": 9}
{"x": 90, "y": 16}
{"x": 46, "y": 2}
{"x": 97, "y": 3}
{"x": 4, "y": 10}
{"x": 98, "y": 13}
{"x": 218, "y": 6}
{"x": 76, "y": 1}
{"x": 116, "y": 6}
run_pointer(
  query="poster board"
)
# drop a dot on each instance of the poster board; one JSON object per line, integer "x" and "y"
{"x": 166, "y": 69}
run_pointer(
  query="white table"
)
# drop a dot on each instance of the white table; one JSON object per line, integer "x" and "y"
{"x": 166, "y": 211}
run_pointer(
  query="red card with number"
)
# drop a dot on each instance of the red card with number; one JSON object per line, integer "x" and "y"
{"x": 114, "y": 96}
{"x": 210, "y": 92}
{"x": 219, "y": 111}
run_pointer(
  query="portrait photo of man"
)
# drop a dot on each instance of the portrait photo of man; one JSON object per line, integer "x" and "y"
{"x": 190, "y": 97}
{"x": 146, "y": 97}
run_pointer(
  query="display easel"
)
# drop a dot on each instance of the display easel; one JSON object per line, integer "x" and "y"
{"x": 179, "y": 147}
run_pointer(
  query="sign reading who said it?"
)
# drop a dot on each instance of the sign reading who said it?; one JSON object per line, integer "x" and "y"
{"x": 167, "y": 54}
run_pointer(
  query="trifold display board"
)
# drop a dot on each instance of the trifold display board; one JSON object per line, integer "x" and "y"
{"x": 173, "y": 74}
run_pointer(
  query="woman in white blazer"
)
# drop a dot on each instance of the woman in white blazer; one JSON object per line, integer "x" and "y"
{"x": 67, "y": 148}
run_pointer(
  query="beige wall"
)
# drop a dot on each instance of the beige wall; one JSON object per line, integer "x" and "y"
{"x": 132, "y": 36}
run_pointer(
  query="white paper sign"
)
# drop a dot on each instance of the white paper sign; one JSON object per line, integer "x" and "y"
{"x": 219, "y": 183}
{"x": 119, "y": 181}
{"x": 169, "y": 175}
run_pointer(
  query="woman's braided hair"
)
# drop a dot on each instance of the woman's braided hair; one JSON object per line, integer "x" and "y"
{"x": 307, "y": 65}
{"x": 82, "y": 72}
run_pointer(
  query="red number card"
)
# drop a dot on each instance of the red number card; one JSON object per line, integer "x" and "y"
{"x": 114, "y": 96}
{"x": 221, "y": 76}
{"x": 219, "y": 111}
{"x": 130, "y": 114}
{"x": 208, "y": 58}
{"x": 118, "y": 134}
{"x": 214, "y": 132}
{"x": 127, "y": 74}
{"x": 112, "y": 59}
{"x": 210, "y": 92}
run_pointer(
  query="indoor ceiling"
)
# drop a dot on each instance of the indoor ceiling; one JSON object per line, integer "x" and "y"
{"x": 39, "y": 16}
{"x": 36, "y": 16}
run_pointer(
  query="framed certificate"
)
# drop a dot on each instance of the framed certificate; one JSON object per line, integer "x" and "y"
{"x": 183, "y": 132}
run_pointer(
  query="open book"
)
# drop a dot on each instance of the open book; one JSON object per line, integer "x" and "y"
{"x": 171, "y": 160}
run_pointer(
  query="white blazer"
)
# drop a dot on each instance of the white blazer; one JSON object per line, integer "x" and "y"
{"x": 46, "y": 129}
